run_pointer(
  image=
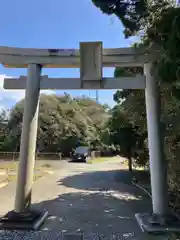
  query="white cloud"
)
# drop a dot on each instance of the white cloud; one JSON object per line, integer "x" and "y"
{"x": 12, "y": 96}
{"x": 2, "y": 107}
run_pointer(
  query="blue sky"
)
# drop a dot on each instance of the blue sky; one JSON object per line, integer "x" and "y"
{"x": 56, "y": 24}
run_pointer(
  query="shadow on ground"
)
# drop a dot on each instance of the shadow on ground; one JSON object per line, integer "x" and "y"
{"x": 120, "y": 180}
{"x": 91, "y": 213}
{"x": 95, "y": 203}
{"x": 99, "y": 203}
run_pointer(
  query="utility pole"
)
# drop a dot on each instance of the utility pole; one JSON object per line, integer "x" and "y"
{"x": 97, "y": 96}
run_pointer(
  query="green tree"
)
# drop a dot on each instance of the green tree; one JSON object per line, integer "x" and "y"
{"x": 131, "y": 13}
{"x": 64, "y": 123}
{"x": 122, "y": 133}
{"x": 3, "y": 129}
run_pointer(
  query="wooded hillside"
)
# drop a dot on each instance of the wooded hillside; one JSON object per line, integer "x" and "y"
{"x": 64, "y": 123}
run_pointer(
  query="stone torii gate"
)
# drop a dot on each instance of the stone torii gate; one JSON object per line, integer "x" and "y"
{"x": 91, "y": 58}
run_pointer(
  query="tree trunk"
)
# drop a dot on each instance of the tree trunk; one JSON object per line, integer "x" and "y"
{"x": 130, "y": 163}
{"x": 129, "y": 157}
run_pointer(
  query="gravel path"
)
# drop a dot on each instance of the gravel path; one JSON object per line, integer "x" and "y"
{"x": 84, "y": 199}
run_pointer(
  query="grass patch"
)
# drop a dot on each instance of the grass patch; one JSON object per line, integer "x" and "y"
{"x": 11, "y": 168}
{"x": 102, "y": 159}
{"x": 13, "y": 177}
{"x": 46, "y": 166}
{"x": 135, "y": 166}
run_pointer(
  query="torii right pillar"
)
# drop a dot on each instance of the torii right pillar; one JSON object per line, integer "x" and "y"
{"x": 161, "y": 220}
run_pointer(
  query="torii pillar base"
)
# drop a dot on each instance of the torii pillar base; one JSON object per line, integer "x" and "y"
{"x": 155, "y": 224}
{"x": 32, "y": 220}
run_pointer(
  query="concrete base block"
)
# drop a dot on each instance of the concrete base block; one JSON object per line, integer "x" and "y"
{"x": 156, "y": 225}
{"x": 25, "y": 221}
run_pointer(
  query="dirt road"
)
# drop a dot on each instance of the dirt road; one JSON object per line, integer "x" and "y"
{"x": 90, "y": 199}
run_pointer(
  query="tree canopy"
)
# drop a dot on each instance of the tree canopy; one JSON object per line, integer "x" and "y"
{"x": 64, "y": 122}
{"x": 131, "y": 13}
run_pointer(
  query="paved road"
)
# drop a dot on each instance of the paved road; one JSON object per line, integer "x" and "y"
{"x": 85, "y": 198}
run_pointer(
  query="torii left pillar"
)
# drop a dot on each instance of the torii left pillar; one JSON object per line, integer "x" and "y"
{"x": 23, "y": 217}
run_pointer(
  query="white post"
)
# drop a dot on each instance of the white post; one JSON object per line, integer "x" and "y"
{"x": 28, "y": 140}
{"x": 156, "y": 151}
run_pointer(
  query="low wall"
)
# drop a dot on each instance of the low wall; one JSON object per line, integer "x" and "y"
{"x": 95, "y": 154}
{"x": 6, "y": 156}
